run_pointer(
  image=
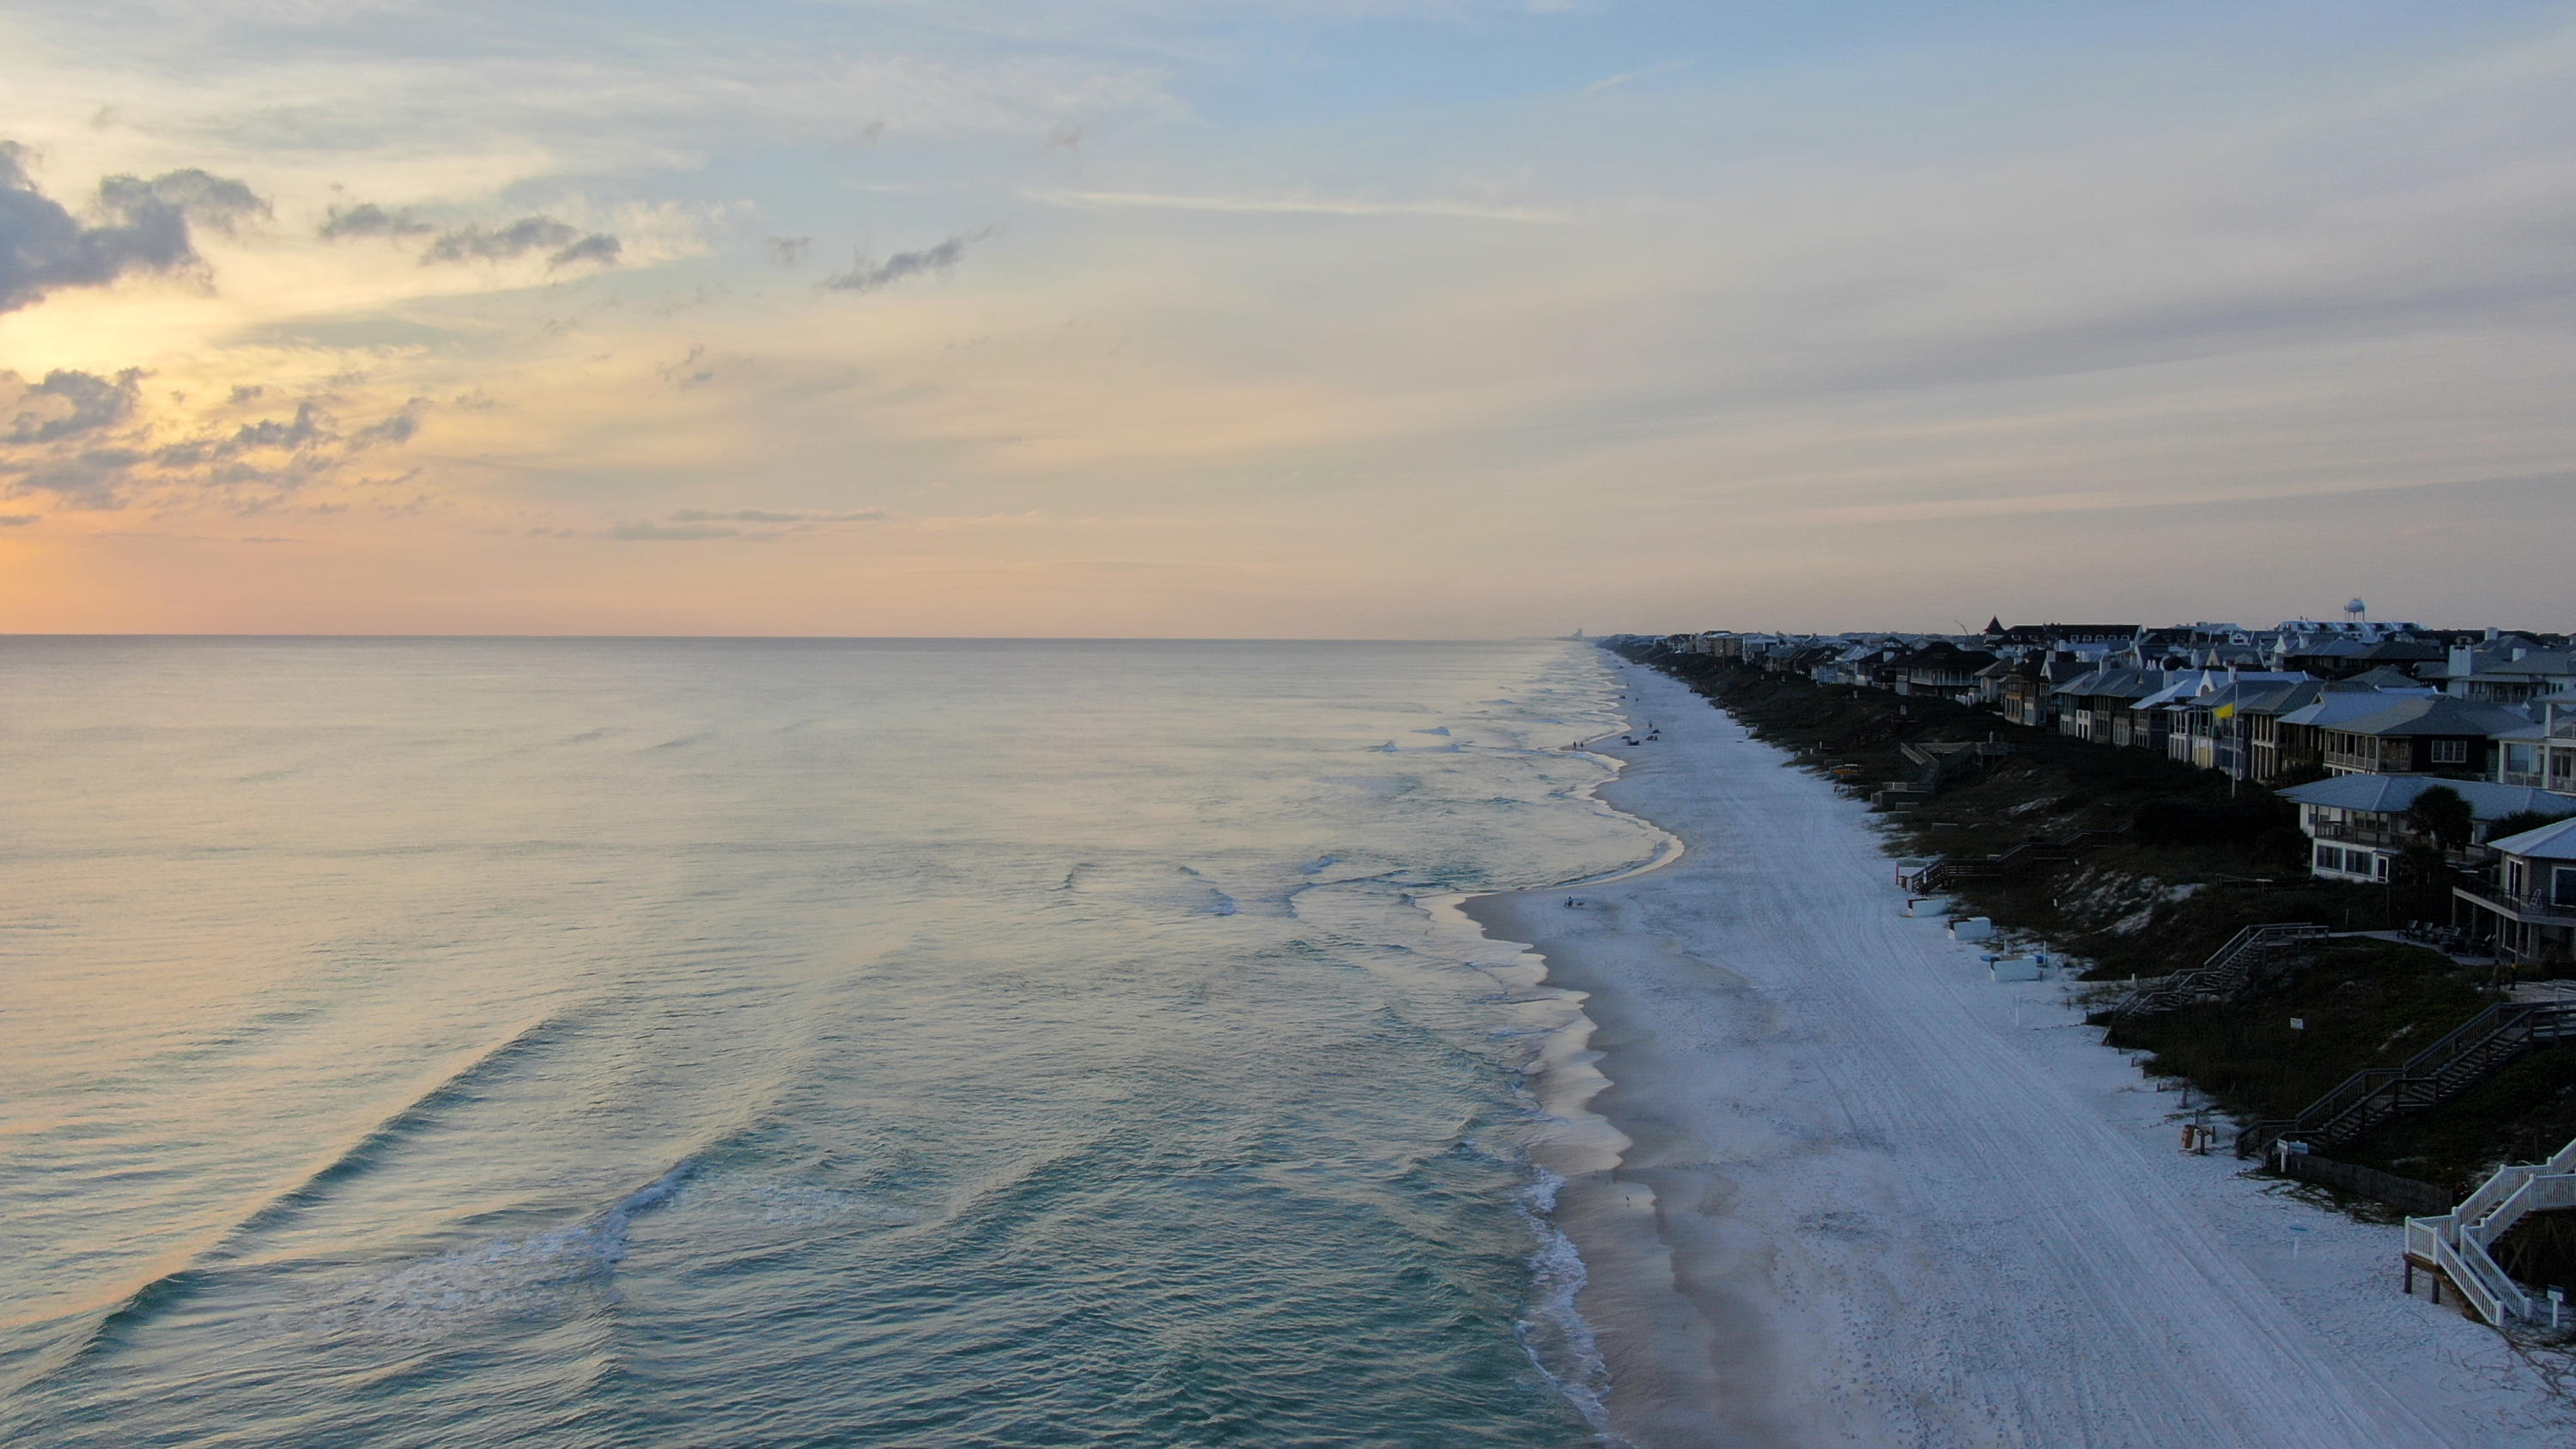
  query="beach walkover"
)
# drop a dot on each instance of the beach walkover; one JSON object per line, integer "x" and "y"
{"x": 1873, "y": 1197}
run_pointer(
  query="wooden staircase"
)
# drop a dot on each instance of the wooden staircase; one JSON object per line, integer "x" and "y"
{"x": 1941, "y": 874}
{"x": 2477, "y": 1049}
{"x": 2224, "y": 973}
{"x": 2460, "y": 1244}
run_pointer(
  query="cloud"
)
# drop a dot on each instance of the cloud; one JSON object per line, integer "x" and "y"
{"x": 788, "y": 251}
{"x": 67, "y": 402}
{"x": 693, "y": 524}
{"x": 1289, "y": 205}
{"x": 762, "y": 515}
{"x": 142, "y": 226}
{"x": 209, "y": 200}
{"x": 87, "y": 440}
{"x": 867, "y": 276}
{"x": 310, "y": 426}
{"x": 397, "y": 429}
{"x": 597, "y": 247}
{"x": 95, "y": 478}
{"x": 565, "y": 245}
{"x": 369, "y": 219}
{"x": 18, "y": 520}
{"x": 665, "y": 533}
{"x": 1613, "y": 82}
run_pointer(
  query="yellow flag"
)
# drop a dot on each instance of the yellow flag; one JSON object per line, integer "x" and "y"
{"x": 2224, "y": 711}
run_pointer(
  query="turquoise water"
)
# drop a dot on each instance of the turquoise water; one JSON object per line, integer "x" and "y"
{"x": 748, "y": 1043}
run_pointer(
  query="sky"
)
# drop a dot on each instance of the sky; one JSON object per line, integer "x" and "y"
{"x": 1281, "y": 318}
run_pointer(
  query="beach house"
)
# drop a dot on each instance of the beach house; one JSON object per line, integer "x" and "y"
{"x": 2542, "y": 753}
{"x": 2438, "y": 735}
{"x": 2510, "y": 670}
{"x": 2357, "y": 824}
{"x": 2526, "y": 908}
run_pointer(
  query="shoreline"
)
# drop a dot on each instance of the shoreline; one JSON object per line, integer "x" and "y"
{"x": 1862, "y": 1195}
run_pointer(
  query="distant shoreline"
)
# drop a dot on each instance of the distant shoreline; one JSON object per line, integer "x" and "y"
{"x": 1858, "y": 1194}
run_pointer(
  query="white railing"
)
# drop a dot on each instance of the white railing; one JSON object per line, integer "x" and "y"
{"x": 2539, "y": 1192}
{"x": 2479, "y": 1280}
{"x": 2458, "y": 1241}
{"x": 2490, "y": 1195}
{"x": 2424, "y": 1236}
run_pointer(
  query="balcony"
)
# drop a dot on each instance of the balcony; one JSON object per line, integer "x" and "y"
{"x": 2346, "y": 833}
{"x": 2537, "y": 910}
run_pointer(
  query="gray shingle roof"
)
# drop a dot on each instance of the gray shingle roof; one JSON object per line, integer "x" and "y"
{"x": 2439, "y": 715}
{"x": 2550, "y": 842}
{"x": 2389, "y": 794}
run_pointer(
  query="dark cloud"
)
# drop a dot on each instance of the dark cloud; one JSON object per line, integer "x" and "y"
{"x": 86, "y": 440}
{"x": 395, "y": 430}
{"x": 142, "y": 226}
{"x": 564, "y": 245}
{"x": 369, "y": 219}
{"x": 209, "y": 200}
{"x": 788, "y": 251}
{"x": 18, "y": 520}
{"x": 94, "y": 478}
{"x": 310, "y": 426}
{"x": 67, "y": 402}
{"x": 597, "y": 247}
{"x": 867, "y": 276}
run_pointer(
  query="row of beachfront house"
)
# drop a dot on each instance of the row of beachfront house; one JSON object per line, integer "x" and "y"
{"x": 2382, "y": 712}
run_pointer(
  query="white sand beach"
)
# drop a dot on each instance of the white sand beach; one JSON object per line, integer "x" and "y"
{"x": 1871, "y": 1197}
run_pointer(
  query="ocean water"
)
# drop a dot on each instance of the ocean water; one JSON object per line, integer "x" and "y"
{"x": 782, "y": 1043}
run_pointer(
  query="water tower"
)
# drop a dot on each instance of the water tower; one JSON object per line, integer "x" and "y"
{"x": 2359, "y": 611}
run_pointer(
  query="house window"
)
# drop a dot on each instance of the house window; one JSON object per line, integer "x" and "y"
{"x": 2329, "y": 857}
{"x": 2450, "y": 752}
{"x": 2379, "y": 867}
{"x": 2562, "y": 886}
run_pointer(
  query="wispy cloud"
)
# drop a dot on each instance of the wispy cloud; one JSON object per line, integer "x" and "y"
{"x": 669, "y": 533}
{"x": 764, "y": 515}
{"x": 89, "y": 442}
{"x": 865, "y": 275}
{"x": 1289, "y": 205}
{"x": 563, "y": 243}
{"x": 1613, "y": 82}
{"x": 748, "y": 525}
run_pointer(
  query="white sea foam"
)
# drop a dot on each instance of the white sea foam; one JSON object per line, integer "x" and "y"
{"x": 1560, "y": 1345}
{"x": 502, "y": 1277}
